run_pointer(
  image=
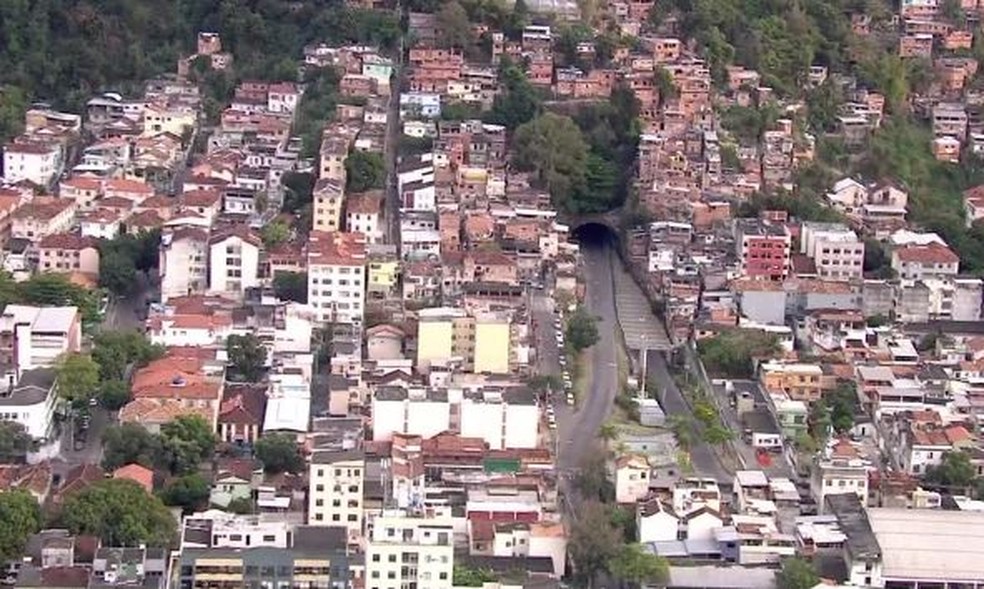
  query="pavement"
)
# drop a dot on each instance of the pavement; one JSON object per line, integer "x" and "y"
{"x": 642, "y": 329}
{"x": 125, "y": 313}
{"x": 703, "y": 457}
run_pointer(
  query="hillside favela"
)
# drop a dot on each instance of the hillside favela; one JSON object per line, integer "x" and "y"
{"x": 492, "y": 294}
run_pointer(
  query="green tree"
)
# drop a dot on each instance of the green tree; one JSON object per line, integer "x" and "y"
{"x": 279, "y": 453}
{"x": 731, "y": 352}
{"x": 241, "y": 505}
{"x": 275, "y": 233}
{"x": 453, "y": 26}
{"x": 717, "y": 435}
{"x": 635, "y": 566}
{"x": 54, "y": 290}
{"x": 592, "y": 476}
{"x": 113, "y": 394}
{"x": 21, "y": 517}
{"x": 13, "y": 103}
{"x": 117, "y": 273}
{"x": 553, "y": 149}
{"x": 593, "y": 542}
{"x": 291, "y": 286}
{"x": 119, "y": 512}
{"x": 684, "y": 430}
{"x": 465, "y": 576}
{"x": 299, "y": 190}
{"x": 187, "y": 441}
{"x": 131, "y": 443}
{"x": 113, "y": 351}
{"x": 797, "y": 573}
{"x": 955, "y": 471}
{"x": 365, "y": 170}
{"x": 517, "y": 101}
{"x": 15, "y": 442}
{"x": 189, "y": 492}
{"x": 247, "y": 356}
{"x": 582, "y": 330}
{"x": 77, "y": 378}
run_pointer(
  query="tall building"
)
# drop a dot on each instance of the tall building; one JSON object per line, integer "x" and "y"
{"x": 835, "y": 250}
{"x": 335, "y": 490}
{"x": 480, "y": 342}
{"x": 329, "y": 197}
{"x": 336, "y": 276}
{"x": 183, "y": 262}
{"x": 763, "y": 249}
{"x": 410, "y": 552}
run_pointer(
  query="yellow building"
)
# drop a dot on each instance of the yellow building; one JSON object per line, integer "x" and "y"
{"x": 474, "y": 343}
{"x": 382, "y": 278}
{"x": 329, "y": 198}
{"x": 168, "y": 119}
{"x": 436, "y": 335}
{"x": 492, "y": 344}
{"x": 801, "y": 382}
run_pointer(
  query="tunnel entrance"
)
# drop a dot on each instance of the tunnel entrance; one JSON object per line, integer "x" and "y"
{"x": 595, "y": 236}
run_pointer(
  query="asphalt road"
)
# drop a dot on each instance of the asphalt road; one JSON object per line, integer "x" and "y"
{"x": 702, "y": 456}
{"x": 581, "y": 433}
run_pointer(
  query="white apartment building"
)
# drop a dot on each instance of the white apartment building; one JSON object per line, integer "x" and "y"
{"x": 835, "y": 250}
{"x": 840, "y": 470}
{"x": 363, "y": 214}
{"x": 337, "y": 276}
{"x": 919, "y": 262}
{"x": 183, "y": 262}
{"x": 410, "y": 552}
{"x": 36, "y": 337}
{"x": 415, "y": 169}
{"x": 503, "y": 418}
{"x": 234, "y": 261}
{"x": 34, "y": 161}
{"x": 335, "y": 491}
{"x": 220, "y": 529}
{"x": 31, "y": 402}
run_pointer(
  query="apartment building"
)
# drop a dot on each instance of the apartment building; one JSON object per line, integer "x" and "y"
{"x": 220, "y": 529}
{"x": 336, "y": 276}
{"x": 234, "y": 261}
{"x": 68, "y": 253}
{"x": 950, "y": 120}
{"x": 183, "y": 262}
{"x": 42, "y": 216}
{"x": 329, "y": 198}
{"x": 477, "y": 342}
{"x": 503, "y": 418}
{"x": 919, "y": 262}
{"x": 363, "y": 214}
{"x": 314, "y": 557}
{"x": 763, "y": 249}
{"x": 39, "y": 162}
{"x": 410, "y": 552}
{"x": 35, "y": 337}
{"x": 835, "y": 250}
{"x": 335, "y": 491}
{"x": 801, "y": 382}
{"x": 839, "y": 470}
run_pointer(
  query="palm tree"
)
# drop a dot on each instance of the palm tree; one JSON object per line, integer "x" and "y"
{"x": 608, "y": 432}
{"x": 683, "y": 430}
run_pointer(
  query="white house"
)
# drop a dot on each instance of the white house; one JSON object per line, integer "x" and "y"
{"x": 283, "y": 97}
{"x": 219, "y": 529}
{"x": 701, "y": 524}
{"x": 418, "y": 196}
{"x": 656, "y": 522}
{"x": 919, "y": 262}
{"x": 631, "y": 478}
{"x": 32, "y": 402}
{"x": 234, "y": 261}
{"x": 35, "y": 337}
{"x": 848, "y": 195}
{"x": 397, "y": 539}
{"x": 39, "y": 162}
{"x": 363, "y": 213}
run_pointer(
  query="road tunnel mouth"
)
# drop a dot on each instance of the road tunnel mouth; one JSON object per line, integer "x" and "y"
{"x": 595, "y": 235}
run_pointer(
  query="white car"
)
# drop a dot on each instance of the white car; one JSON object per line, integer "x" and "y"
{"x": 570, "y": 398}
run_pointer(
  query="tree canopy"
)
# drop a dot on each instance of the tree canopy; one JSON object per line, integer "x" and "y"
{"x": 279, "y": 453}
{"x": 582, "y": 330}
{"x": 21, "y": 517}
{"x": 731, "y": 352}
{"x": 78, "y": 378}
{"x": 291, "y": 286}
{"x": 797, "y": 573}
{"x": 365, "y": 170}
{"x": 188, "y": 441}
{"x": 552, "y": 148}
{"x": 121, "y": 513}
{"x": 956, "y": 470}
{"x": 15, "y": 442}
{"x": 247, "y": 356}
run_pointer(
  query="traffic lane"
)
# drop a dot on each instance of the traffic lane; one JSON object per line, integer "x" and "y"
{"x": 702, "y": 456}
{"x": 597, "y": 405}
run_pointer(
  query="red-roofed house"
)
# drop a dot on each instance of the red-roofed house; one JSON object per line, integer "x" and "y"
{"x": 141, "y": 475}
{"x": 241, "y": 413}
{"x": 918, "y": 262}
{"x": 82, "y": 189}
{"x": 68, "y": 253}
{"x": 175, "y": 385}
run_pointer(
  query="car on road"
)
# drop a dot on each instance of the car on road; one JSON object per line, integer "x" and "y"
{"x": 570, "y": 398}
